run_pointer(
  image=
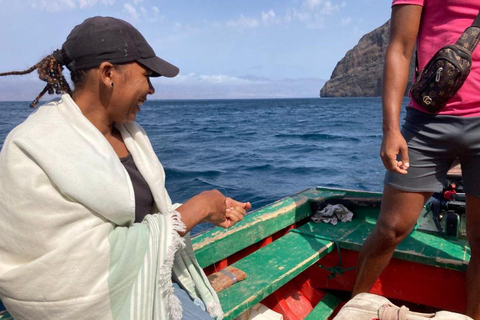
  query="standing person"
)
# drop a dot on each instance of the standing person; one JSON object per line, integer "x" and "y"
{"x": 418, "y": 157}
{"x": 88, "y": 230}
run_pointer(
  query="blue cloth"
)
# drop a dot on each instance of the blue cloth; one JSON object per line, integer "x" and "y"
{"x": 193, "y": 309}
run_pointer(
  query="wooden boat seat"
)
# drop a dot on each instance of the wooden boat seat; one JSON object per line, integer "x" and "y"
{"x": 271, "y": 267}
{"x": 420, "y": 247}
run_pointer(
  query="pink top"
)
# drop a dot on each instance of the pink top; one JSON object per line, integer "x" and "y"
{"x": 443, "y": 21}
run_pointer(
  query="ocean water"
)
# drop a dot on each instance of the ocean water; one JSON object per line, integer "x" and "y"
{"x": 257, "y": 150}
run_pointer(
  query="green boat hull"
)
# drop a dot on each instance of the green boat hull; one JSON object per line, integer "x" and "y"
{"x": 288, "y": 258}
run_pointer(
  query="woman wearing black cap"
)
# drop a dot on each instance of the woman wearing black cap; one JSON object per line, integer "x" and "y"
{"x": 78, "y": 174}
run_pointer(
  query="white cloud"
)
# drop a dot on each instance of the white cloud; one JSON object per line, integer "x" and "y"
{"x": 85, "y": 3}
{"x": 177, "y": 26}
{"x": 268, "y": 17}
{"x": 314, "y": 12}
{"x": 288, "y": 17}
{"x": 325, "y": 6}
{"x": 156, "y": 14}
{"x": 193, "y": 78}
{"x": 312, "y": 4}
{"x": 131, "y": 11}
{"x": 243, "y": 23}
{"x": 346, "y": 21}
{"x": 182, "y": 31}
{"x": 302, "y": 16}
{"x": 63, "y": 5}
{"x": 53, "y": 5}
{"x": 71, "y": 3}
{"x": 134, "y": 13}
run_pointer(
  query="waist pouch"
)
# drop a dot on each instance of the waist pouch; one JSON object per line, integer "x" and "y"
{"x": 367, "y": 306}
{"x": 446, "y": 71}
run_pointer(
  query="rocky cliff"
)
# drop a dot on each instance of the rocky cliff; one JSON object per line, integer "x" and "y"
{"x": 359, "y": 73}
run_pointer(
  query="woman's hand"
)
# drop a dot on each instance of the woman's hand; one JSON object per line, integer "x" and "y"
{"x": 215, "y": 203}
{"x": 213, "y": 207}
{"x": 235, "y": 212}
{"x": 208, "y": 206}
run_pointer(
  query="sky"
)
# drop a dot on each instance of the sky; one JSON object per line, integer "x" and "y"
{"x": 225, "y": 49}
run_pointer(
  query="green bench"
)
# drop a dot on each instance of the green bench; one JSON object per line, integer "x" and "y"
{"x": 272, "y": 266}
{"x": 421, "y": 247}
{"x": 269, "y": 268}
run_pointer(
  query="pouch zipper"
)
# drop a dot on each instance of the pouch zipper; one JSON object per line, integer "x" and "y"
{"x": 439, "y": 74}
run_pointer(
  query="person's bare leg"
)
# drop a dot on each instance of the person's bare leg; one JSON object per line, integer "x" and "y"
{"x": 473, "y": 270}
{"x": 398, "y": 215}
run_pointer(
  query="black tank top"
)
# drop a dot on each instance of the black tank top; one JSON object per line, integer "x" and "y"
{"x": 143, "y": 196}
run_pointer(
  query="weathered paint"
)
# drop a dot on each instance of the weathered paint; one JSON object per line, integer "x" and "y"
{"x": 218, "y": 243}
{"x": 428, "y": 251}
{"x": 271, "y": 267}
{"x": 419, "y": 246}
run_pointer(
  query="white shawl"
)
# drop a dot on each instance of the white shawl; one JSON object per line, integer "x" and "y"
{"x": 68, "y": 246}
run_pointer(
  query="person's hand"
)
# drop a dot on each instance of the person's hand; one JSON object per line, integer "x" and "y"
{"x": 215, "y": 203}
{"x": 213, "y": 207}
{"x": 208, "y": 206}
{"x": 235, "y": 211}
{"x": 393, "y": 144}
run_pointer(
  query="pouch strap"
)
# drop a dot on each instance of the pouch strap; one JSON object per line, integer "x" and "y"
{"x": 471, "y": 36}
{"x": 476, "y": 22}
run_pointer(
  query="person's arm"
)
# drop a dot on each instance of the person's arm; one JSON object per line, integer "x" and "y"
{"x": 404, "y": 27}
{"x": 212, "y": 206}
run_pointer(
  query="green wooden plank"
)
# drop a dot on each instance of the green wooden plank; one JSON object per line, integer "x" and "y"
{"x": 264, "y": 222}
{"x": 420, "y": 246}
{"x": 350, "y": 235}
{"x": 434, "y": 250}
{"x": 219, "y": 243}
{"x": 349, "y": 193}
{"x": 271, "y": 267}
{"x": 324, "y": 308}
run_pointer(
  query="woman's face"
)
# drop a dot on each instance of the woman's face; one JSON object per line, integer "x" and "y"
{"x": 131, "y": 87}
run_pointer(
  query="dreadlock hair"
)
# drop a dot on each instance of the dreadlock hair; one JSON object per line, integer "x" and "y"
{"x": 50, "y": 71}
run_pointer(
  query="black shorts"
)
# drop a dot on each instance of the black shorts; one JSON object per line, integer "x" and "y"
{"x": 434, "y": 142}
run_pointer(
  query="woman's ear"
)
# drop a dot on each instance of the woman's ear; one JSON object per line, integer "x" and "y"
{"x": 107, "y": 70}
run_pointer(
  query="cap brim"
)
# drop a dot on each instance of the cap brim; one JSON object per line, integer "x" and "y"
{"x": 160, "y": 67}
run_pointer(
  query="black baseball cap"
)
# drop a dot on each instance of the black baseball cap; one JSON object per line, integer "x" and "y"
{"x": 100, "y": 39}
